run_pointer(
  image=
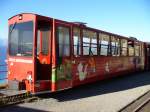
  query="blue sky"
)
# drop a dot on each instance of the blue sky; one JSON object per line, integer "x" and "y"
{"x": 124, "y": 17}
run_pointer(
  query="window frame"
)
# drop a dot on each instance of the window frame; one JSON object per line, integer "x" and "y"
{"x": 9, "y": 38}
{"x": 80, "y": 41}
{"x": 57, "y": 40}
{"x": 100, "y": 44}
{"x": 137, "y": 44}
{"x": 116, "y": 41}
{"x": 90, "y": 40}
{"x": 121, "y": 46}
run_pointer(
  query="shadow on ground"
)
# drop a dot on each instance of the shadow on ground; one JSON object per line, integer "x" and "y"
{"x": 99, "y": 88}
{"x": 21, "y": 109}
{"x": 102, "y": 87}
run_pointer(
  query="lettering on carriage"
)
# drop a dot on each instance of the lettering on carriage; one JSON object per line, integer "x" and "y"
{"x": 20, "y": 60}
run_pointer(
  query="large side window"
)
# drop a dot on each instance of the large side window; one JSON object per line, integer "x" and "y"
{"x": 123, "y": 47}
{"x": 63, "y": 38}
{"x": 137, "y": 50}
{"x": 115, "y": 46}
{"x": 76, "y": 41}
{"x": 86, "y": 42}
{"x": 93, "y": 43}
{"x": 118, "y": 47}
{"x": 104, "y": 44}
{"x": 131, "y": 48}
{"x": 89, "y": 43}
{"x": 45, "y": 40}
{"x": 141, "y": 49}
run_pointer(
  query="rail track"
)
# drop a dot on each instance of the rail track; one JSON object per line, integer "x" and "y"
{"x": 10, "y": 97}
{"x": 144, "y": 106}
{"x": 141, "y": 104}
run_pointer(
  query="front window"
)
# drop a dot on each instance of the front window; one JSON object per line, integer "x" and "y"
{"x": 21, "y": 39}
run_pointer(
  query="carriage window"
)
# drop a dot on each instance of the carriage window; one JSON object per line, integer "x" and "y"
{"x": 38, "y": 42}
{"x": 86, "y": 42}
{"x": 113, "y": 46}
{"x": 118, "y": 47}
{"x": 63, "y": 41}
{"x": 76, "y": 41}
{"x": 104, "y": 44}
{"x": 123, "y": 47}
{"x": 142, "y": 49}
{"x": 93, "y": 43}
{"x": 45, "y": 40}
{"x": 131, "y": 48}
{"x": 148, "y": 51}
{"x": 137, "y": 50}
{"x": 89, "y": 43}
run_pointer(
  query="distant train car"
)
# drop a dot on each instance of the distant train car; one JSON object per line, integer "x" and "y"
{"x": 147, "y": 56}
{"x": 47, "y": 55}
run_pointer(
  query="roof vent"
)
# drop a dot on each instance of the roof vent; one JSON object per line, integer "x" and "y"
{"x": 80, "y": 23}
{"x": 133, "y": 38}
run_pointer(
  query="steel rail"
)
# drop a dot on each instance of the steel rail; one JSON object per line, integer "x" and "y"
{"x": 138, "y": 108}
{"x": 134, "y": 101}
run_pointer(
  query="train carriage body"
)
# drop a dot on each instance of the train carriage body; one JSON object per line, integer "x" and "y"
{"x": 147, "y": 55}
{"x": 47, "y": 55}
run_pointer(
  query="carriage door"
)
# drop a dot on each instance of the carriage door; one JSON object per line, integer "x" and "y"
{"x": 64, "y": 64}
{"x": 43, "y": 51}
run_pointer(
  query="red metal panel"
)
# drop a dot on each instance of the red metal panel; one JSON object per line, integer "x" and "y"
{"x": 104, "y": 67}
{"x": 25, "y": 18}
{"x": 19, "y": 67}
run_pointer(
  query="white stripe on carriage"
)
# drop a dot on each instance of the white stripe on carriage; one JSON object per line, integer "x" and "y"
{"x": 20, "y": 60}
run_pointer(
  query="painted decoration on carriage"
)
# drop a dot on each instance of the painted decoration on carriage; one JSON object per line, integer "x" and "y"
{"x": 86, "y": 68}
{"x": 64, "y": 71}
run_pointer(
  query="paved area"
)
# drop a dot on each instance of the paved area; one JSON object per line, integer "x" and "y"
{"x": 103, "y": 96}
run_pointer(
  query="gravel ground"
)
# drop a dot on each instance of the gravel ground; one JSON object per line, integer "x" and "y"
{"x": 104, "y": 96}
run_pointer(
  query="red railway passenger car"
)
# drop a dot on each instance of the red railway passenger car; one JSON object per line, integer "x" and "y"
{"x": 47, "y": 54}
{"x": 147, "y": 56}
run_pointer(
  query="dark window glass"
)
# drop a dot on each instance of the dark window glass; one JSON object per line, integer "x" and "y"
{"x": 45, "y": 41}
{"x": 21, "y": 39}
{"x": 38, "y": 42}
